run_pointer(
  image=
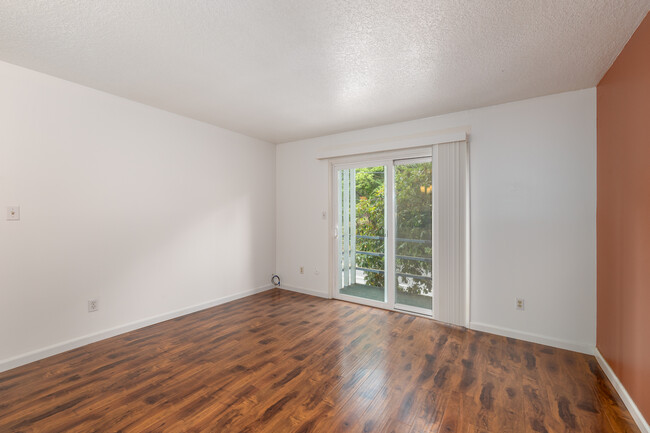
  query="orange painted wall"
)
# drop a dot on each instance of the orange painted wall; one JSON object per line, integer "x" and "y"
{"x": 623, "y": 217}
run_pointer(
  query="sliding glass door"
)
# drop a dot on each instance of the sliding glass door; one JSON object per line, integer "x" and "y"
{"x": 384, "y": 234}
{"x": 413, "y": 235}
{"x": 362, "y": 227}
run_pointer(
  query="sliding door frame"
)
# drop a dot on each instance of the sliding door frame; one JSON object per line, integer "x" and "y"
{"x": 388, "y": 218}
{"x": 405, "y": 307}
{"x": 387, "y": 160}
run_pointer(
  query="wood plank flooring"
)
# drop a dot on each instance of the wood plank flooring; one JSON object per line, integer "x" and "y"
{"x": 285, "y": 362}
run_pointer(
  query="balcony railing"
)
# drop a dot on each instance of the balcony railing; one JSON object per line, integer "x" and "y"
{"x": 399, "y": 274}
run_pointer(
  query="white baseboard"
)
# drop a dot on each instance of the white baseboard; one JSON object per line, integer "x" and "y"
{"x": 534, "y": 338}
{"x": 26, "y": 358}
{"x": 304, "y": 291}
{"x": 622, "y": 392}
{"x": 506, "y": 332}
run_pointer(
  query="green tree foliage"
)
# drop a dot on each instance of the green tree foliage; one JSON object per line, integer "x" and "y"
{"x": 368, "y": 180}
{"x": 370, "y": 221}
{"x": 413, "y": 222}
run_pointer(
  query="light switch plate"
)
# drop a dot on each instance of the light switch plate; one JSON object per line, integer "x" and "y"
{"x": 13, "y": 213}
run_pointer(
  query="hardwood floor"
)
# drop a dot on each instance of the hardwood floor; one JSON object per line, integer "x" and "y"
{"x": 285, "y": 362}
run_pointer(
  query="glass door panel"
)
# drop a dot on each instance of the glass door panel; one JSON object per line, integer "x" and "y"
{"x": 413, "y": 235}
{"x": 362, "y": 232}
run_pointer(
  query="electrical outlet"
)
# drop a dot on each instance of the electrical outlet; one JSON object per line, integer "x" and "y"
{"x": 302, "y": 269}
{"x": 519, "y": 304}
{"x": 93, "y": 305}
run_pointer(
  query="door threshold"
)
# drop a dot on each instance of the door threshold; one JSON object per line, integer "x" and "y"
{"x": 383, "y": 306}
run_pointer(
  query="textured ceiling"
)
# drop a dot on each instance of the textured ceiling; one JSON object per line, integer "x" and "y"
{"x": 282, "y": 70}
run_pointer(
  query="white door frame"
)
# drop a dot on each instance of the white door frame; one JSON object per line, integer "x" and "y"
{"x": 387, "y": 159}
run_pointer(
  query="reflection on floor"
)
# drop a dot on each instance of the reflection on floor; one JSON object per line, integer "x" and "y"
{"x": 283, "y": 362}
{"x": 377, "y": 294}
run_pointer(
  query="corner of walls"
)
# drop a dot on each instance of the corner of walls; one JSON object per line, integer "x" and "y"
{"x": 154, "y": 214}
{"x": 623, "y": 212}
{"x": 638, "y": 417}
{"x": 533, "y": 192}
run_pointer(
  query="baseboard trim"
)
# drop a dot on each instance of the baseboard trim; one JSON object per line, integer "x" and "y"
{"x": 622, "y": 392}
{"x": 26, "y": 358}
{"x": 304, "y": 291}
{"x": 506, "y": 332}
{"x": 534, "y": 338}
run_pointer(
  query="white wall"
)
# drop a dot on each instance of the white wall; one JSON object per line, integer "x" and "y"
{"x": 154, "y": 214}
{"x": 533, "y": 201}
{"x": 147, "y": 211}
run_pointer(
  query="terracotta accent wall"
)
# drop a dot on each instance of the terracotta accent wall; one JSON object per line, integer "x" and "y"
{"x": 623, "y": 226}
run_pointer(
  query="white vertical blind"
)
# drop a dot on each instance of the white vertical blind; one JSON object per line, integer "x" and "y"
{"x": 346, "y": 228}
{"x": 347, "y": 223}
{"x": 450, "y": 232}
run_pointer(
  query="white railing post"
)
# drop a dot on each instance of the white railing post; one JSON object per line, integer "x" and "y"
{"x": 346, "y": 228}
{"x": 341, "y": 228}
{"x": 353, "y": 227}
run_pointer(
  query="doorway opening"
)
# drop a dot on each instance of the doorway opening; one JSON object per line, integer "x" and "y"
{"x": 384, "y": 252}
